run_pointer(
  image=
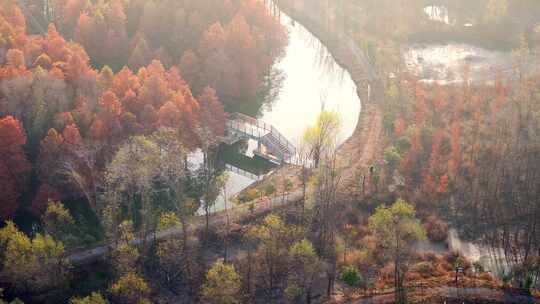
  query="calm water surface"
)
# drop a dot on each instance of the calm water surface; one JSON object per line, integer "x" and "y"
{"x": 312, "y": 81}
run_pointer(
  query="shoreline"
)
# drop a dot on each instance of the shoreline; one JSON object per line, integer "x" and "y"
{"x": 367, "y": 127}
{"x": 361, "y": 148}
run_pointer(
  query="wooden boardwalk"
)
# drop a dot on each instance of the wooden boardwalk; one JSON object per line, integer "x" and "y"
{"x": 277, "y": 148}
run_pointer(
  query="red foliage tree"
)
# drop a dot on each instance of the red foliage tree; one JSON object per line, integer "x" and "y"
{"x": 75, "y": 68}
{"x": 154, "y": 90}
{"x": 63, "y": 119}
{"x": 212, "y": 112}
{"x": 455, "y": 144}
{"x": 435, "y": 157}
{"x": 72, "y": 137}
{"x": 110, "y": 106}
{"x": 55, "y": 46}
{"x": 220, "y": 72}
{"x": 107, "y": 121}
{"x": 124, "y": 82}
{"x": 169, "y": 115}
{"x": 428, "y": 183}
{"x": 443, "y": 184}
{"x": 212, "y": 40}
{"x": 14, "y": 165}
{"x": 15, "y": 59}
{"x": 399, "y": 126}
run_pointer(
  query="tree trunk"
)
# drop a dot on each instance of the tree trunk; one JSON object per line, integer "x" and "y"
{"x": 207, "y": 218}
{"x": 226, "y": 238}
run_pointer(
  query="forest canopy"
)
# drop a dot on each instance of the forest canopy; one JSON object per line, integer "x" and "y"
{"x": 79, "y": 77}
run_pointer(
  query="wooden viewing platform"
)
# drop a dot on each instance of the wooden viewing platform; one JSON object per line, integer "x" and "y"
{"x": 272, "y": 145}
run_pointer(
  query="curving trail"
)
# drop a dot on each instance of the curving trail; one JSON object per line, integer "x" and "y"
{"x": 219, "y": 219}
{"x": 356, "y": 153}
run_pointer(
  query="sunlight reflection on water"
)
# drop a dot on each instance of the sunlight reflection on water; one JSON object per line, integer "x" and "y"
{"x": 313, "y": 81}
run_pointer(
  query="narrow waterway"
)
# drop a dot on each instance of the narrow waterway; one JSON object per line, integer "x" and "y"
{"x": 310, "y": 81}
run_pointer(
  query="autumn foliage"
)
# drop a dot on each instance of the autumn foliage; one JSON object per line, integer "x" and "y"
{"x": 84, "y": 76}
{"x": 14, "y": 166}
{"x": 442, "y": 131}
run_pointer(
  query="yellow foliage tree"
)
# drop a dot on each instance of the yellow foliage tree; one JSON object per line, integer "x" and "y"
{"x": 222, "y": 285}
{"x": 94, "y": 298}
{"x": 130, "y": 288}
{"x": 170, "y": 251}
{"x": 321, "y": 138}
{"x": 32, "y": 264}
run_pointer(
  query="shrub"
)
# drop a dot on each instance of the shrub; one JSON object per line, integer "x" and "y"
{"x": 403, "y": 144}
{"x": 414, "y": 276}
{"x": 478, "y": 267}
{"x": 94, "y": 298}
{"x": 253, "y": 194}
{"x": 431, "y": 257}
{"x": 293, "y": 292}
{"x": 392, "y": 157}
{"x": 270, "y": 190}
{"x": 130, "y": 288}
{"x": 507, "y": 277}
{"x": 351, "y": 276}
{"x": 486, "y": 276}
{"x": 452, "y": 257}
{"x": 441, "y": 270}
{"x": 249, "y": 195}
{"x": 387, "y": 272}
{"x": 437, "y": 230}
{"x": 424, "y": 269}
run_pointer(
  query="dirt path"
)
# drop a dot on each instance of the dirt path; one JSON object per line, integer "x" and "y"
{"x": 359, "y": 152}
{"x": 218, "y": 219}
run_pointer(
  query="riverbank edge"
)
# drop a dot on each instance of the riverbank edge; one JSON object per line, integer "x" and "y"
{"x": 365, "y": 141}
{"x": 341, "y": 56}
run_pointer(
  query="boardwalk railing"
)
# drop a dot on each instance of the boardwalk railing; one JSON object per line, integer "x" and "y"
{"x": 261, "y": 131}
{"x": 242, "y": 172}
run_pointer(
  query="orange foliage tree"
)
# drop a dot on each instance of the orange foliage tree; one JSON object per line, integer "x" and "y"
{"x": 14, "y": 167}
